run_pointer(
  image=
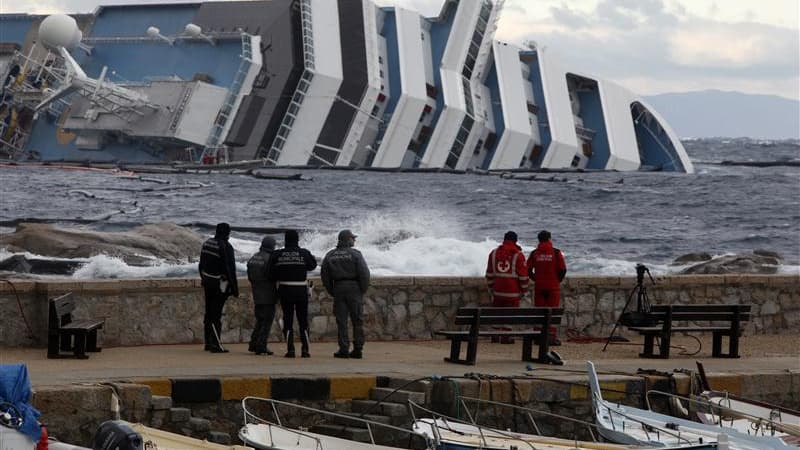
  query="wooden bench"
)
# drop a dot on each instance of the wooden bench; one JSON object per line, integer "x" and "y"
{"x": 475, "y": 318}
{"x": 664, "y": 317}
{"x": 66, "y": 335}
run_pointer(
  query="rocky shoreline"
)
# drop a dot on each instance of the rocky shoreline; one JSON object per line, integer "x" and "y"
{"x": 61, "y": 251}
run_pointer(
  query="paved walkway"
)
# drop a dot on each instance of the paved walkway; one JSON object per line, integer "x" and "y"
{"x": 402, "y": 359}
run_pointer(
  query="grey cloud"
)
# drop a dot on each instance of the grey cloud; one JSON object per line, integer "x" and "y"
{"x": 567, "y": 17}
{"x": 643, "y": 52}
{"x": 626, "y": 14}
{"x": 619, "y": 14}
{"x": 514, "y": 7}
{"x": 628, "y": 39}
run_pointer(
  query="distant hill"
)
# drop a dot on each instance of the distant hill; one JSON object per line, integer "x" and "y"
{"x": 729, "y": 114}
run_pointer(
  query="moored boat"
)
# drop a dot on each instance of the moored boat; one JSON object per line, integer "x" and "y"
{"x": 745, "y": 415}
{"x": 452, "y": 434}
{"x": 265, "y": 434}
{"x": 164, "y": 440}
{"x": 629, "y": 425}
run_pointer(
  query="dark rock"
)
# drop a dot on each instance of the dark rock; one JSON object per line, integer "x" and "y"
{"x": 753, "y": 263}
{"x": 691, "y": 258}
{"x": 22, "y": 264}
{"x": 143, "y": 244}
{"x": 219, "y": 437}
{"x": 769, "y": 254}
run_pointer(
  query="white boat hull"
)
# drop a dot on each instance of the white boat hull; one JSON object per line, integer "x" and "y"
{"x": 271, "y": 437}
{"x": 454, "y": 435}
{"x": 629, "y": 425}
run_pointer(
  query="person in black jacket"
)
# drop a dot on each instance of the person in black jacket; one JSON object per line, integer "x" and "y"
{"x": 346, "y": 277}
{"x": 218, "y": 274}
{"x": 264, "y": 296}
{"x": 288, "y": 269}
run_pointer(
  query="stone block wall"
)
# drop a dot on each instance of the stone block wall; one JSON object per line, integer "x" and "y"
{"x": 170, "y": 311}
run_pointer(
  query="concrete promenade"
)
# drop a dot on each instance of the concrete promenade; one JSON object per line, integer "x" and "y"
{"x": 181, "y": 388}
{"x": 403, "y": 359}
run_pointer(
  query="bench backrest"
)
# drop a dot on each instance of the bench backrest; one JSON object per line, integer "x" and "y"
{"x": 728, "y": 313}
{"x": 508, "y": 316}
{"x": 61, "y": 310}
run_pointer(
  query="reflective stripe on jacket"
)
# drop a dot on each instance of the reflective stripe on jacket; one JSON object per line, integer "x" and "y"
{"x": 506, "y": 274}
{"x": 217, "y": 262}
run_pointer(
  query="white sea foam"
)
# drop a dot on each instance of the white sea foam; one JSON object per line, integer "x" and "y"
{"x": 103, "y": 266}
{"x": 412, "y": 256}
{"x": 397, "y": 243}
{"x": 410, "y": 242}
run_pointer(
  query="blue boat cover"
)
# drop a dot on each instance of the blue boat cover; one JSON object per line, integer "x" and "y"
{"x": 15, "y": 388}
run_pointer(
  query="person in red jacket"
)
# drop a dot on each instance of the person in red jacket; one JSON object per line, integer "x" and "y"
{"x": 506, "y": 275}
{"x": 547, "y": 268}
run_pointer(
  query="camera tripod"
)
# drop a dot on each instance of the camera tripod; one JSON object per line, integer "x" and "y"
{"x": 638, "y": 317}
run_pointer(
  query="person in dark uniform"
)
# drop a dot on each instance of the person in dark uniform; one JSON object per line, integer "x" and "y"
{"x": 265, "y": 296}
{"x": 346, "y": 278}
{"x": 218, "y": 274}
{"x": 288, "y": 269}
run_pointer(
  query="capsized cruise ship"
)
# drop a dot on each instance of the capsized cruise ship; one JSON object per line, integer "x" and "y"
{"x": 312, "y": 83}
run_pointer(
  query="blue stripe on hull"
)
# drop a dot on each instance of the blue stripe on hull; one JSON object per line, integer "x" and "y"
{"x": 493, "y": 83}
{"x": 542, "y": 117}
{"x": 592, "y": 115}
{"x": 440, "y": 33}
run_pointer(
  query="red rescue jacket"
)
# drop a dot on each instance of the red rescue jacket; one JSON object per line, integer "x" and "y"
{"x": 546, "y": 266}
{"x": 506, "y": 274}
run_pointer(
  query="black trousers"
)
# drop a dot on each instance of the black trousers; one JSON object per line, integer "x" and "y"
{"x": 264, "y": 317}
{"x": 294, "y": 300}
{"x": 215, "y": 301}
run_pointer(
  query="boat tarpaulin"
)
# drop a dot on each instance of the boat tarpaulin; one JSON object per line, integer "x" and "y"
{"x": 15, "y": 388}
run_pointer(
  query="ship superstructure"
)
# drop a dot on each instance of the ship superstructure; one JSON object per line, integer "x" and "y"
{"x": 312, "y": 83}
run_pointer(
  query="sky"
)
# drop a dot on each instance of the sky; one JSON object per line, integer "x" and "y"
{"x": 649, "y": 46}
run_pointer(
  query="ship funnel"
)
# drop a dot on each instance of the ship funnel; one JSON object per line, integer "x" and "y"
{"x": 195, "y": 31}
{"x": 156, "y": 33}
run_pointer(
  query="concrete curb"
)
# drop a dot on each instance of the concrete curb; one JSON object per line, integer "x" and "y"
{"x": 206, "y": 390}
{"x": 616, "y": 387}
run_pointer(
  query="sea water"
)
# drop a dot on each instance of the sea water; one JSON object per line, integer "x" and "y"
{"x": 446, "y": 224}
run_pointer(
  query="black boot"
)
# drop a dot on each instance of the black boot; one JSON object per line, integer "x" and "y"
{"x": 215, "y": 344}
{"x": 255, "y": 346}
{"x": 207, "y": 336}
{"x": 304, "y": 341}
{"x": 289, "y": 344}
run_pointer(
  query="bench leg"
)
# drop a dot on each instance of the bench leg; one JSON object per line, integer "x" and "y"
{"x": 80, "y": 345}
{"x": 52, "y": 345}
{"x": 544, "y": 347}
{"x": 66, "y": 342}
{"x": 455, "y": 351}
{"x": 663, "y": 351}
{"x": 716, "y": 345}
{"x": 472, "y": 351}
{"x": 91, "y": 342}
{"x": 648, "y": 347}
{"x": 527, "y": 348}
{"x": 734, "y": 345}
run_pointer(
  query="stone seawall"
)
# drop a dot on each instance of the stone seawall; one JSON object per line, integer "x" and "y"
{"x": 170, "y": 311}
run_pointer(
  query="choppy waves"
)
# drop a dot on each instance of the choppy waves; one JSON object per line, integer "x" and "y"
{"x": 445, "y": 224}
